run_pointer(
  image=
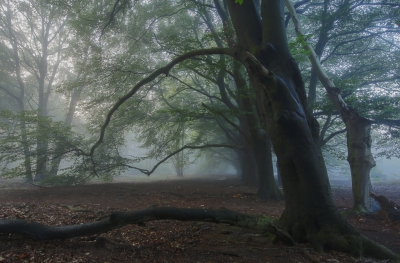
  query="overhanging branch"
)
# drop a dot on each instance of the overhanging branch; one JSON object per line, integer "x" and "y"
{"x": 164, "y": 70}
{"x": 148, "y": 173}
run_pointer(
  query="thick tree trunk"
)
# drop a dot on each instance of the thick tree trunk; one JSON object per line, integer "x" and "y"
{"x": 250, "y": 167}
{"x": 310, "y": 213}
{"x": 358, "y": 129}
{"x": 259, "y": 142}
{"x": 267, "y": 188}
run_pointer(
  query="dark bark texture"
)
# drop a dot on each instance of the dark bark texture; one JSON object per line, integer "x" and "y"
{"x": 310, "y": 214}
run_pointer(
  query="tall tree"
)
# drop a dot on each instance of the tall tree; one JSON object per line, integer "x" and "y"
{"x": 309, "y": 212}
{"x": 35, "y": 31}
{"x": 358, "y": 74}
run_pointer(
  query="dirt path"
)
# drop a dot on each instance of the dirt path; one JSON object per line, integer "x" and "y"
{"x": 167, "y": 240}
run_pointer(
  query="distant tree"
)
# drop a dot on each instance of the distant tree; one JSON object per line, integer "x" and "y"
{"x": 36, "y": 34}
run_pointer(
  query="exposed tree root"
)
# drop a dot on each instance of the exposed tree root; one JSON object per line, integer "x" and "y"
{"x": 116, "y": 220}
{"x": 338, "y": 235}
{"x": 342, "y": 238}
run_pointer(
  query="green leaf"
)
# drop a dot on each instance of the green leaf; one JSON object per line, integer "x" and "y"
{"x": 239, "y": 1}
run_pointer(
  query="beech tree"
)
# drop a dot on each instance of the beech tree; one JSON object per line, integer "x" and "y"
{"x": 35, "y": 35}
{"x": 360, "y": 81}
{"x": 310, "y": 214}
{"x": 309, "y": 210}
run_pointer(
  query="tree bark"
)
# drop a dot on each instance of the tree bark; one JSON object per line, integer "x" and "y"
{"x": 358, "y": 132}
{"x": 360, "y": 159}
{"x": 268, "y": 188}
{"x": 259, "y": 142}
{"x": 21, "y": 98}
{"x": 250, "y": 167}
{"x": 260, "y": 145}
{"x": 249, "y": 122}
{"x": 310, "y": 213}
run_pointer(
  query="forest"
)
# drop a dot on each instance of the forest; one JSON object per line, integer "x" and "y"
{"x": 276, "y": 99}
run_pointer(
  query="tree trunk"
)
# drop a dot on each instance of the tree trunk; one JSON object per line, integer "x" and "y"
{"x": 358, "y": 128}
{"x": 21, "y": 98}
{"x": 75, "y": 95}
{"x": 250, "y": 167}
{"x": 259, "y": 142}
{"x": 278, "y": 175}
{"x": 267, "y": 187}
{"x": 4, "y": 167}
{"x": 360, "y": 159}
{"x": 310, "y": 213}
{"x": 27, "y": 158}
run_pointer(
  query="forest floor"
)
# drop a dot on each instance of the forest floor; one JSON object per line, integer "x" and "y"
{"x": 167, "y": 240}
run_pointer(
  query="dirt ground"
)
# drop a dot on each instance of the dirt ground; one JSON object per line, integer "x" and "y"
{"x": 167, "y": 240}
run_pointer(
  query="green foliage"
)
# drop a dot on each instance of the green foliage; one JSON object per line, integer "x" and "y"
{"x": 239, "y": 1}
{"x": 296, "y": 47}
{"x": 11, "y": 145}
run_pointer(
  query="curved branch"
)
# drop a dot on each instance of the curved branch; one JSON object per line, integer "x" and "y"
{"x": 392, "y": 123}
{"x": 333, "y": 134}
{"x": 147, "y": 172}
{"x": 164, "y": 70}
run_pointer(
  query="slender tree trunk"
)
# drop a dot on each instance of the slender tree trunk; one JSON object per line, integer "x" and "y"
{"x": 75, "y": 95}
{"x": 312, "y": 88}
{"x": 21, "y": 85}
{"x": 42, "y": 139}
{"x": 4, "y": 166}
{"x": 27, "y": 158}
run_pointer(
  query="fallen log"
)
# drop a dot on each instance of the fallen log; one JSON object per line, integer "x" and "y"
{"x": 390, "y": 207}
{"x": 116, "y": 220}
